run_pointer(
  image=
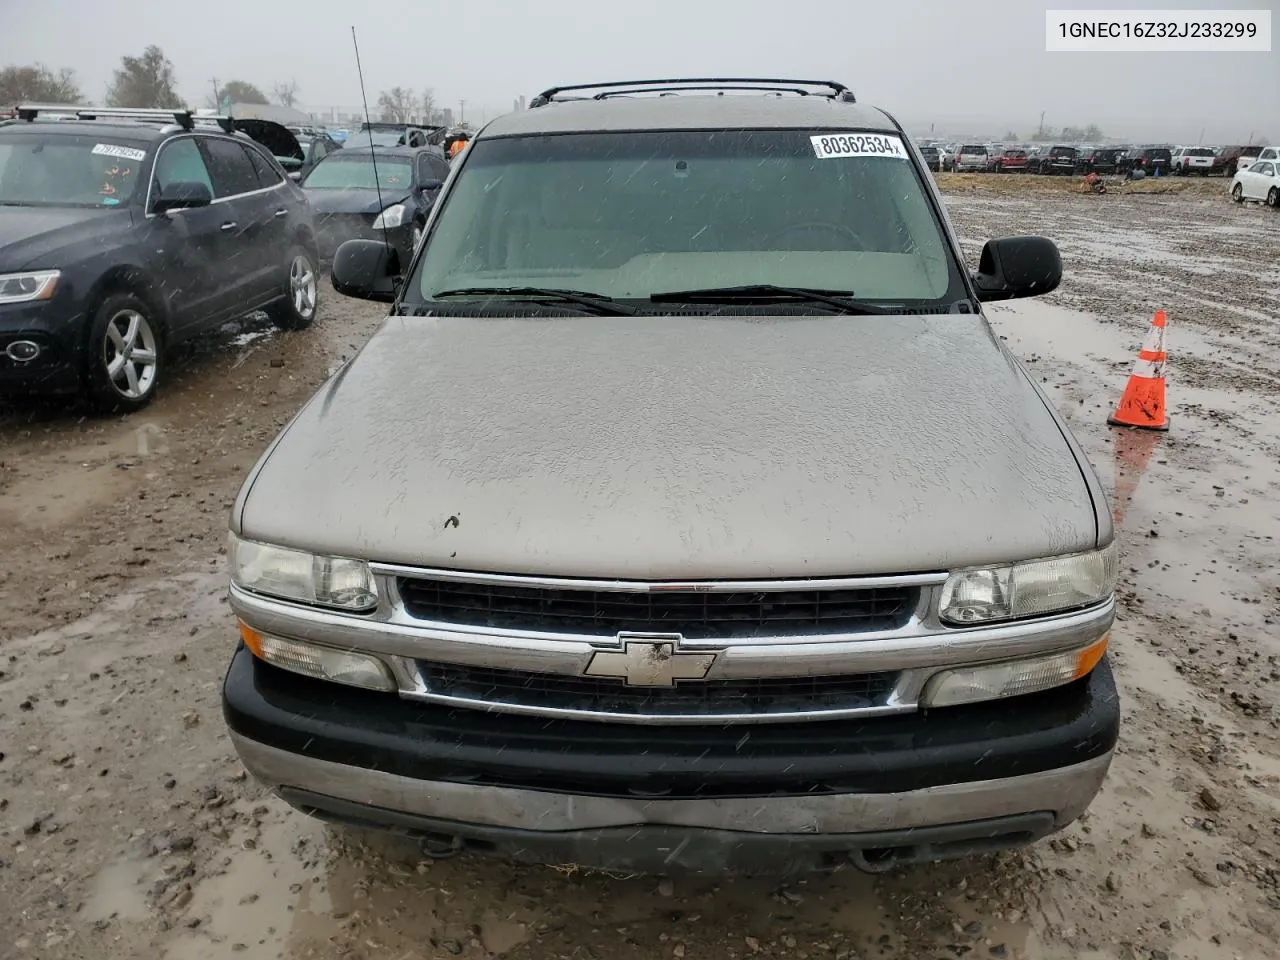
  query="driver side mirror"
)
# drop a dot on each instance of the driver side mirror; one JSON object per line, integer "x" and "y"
{"x": 1013, "y": 267}
{"x": 430, "y": 185}
{"x": 182, "y": 195}
{"x": 366, "y": 270}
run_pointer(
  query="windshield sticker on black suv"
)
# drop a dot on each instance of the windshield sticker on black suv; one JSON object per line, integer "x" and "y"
{"x": 124, "y": 153}
{"x": 858, "y": 145}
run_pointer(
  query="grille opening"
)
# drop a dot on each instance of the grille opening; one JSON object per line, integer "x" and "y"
{"x": 695, "y": 614}
{"x": 710, "y": 698}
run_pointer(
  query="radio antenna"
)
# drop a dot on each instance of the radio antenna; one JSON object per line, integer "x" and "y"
{"x": 368, "y": 128}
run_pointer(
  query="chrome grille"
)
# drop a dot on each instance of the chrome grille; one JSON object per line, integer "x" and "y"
{"x": 695, "y": 614}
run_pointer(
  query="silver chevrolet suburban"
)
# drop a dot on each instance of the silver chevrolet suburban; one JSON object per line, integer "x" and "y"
{"x": 684, "y": 513}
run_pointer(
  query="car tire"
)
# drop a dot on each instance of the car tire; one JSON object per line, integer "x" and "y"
{"x": 1237, "y": 193}
{"x": 125, "y": 354}
{"x": 297, "y": 309}
{"x": 1273, "y": 197}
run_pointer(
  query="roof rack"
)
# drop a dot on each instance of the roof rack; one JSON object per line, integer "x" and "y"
{"x": 183, "y": 118}
{"x": 804, "y": 88}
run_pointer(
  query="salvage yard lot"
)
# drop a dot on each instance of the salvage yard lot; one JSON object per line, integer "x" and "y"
{"x": 128, "y": 829}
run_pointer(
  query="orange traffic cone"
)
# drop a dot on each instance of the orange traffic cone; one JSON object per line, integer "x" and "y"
{"x": 1142, "y": 405}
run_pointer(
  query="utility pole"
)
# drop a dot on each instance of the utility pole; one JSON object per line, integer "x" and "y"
{"x": 217, "y": 94}
{"x": 1041, "y": 133}
{"x": 462, "y": 111}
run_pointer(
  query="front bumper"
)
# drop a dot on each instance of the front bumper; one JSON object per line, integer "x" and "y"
{"x": 873, "y": 792}
{"x": 57, "y": 367}
{"x": 332, "y": 230}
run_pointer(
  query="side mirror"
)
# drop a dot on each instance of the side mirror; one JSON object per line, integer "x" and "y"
{"x": 1014, "y": 267}
{"x": 182, "y": 195}
{"x": 295, "y": 175}
{"x": 430, "y": 184}
{"x": 366, "y": 270}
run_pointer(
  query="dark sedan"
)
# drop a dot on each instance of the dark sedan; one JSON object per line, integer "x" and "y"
{"x": 381, "y": 194}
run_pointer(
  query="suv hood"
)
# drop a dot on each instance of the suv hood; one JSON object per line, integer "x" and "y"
{"x": 34, "y": 236}
{"x": 676, "y": 448}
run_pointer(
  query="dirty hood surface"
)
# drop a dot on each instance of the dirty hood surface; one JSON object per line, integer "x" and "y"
{"x": 676, "y": 447}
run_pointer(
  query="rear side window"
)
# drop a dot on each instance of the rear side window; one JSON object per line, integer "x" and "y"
{"x": 230, "y": 168}
{"x": 267, "y": 176}
{"x": 180, "y": 161}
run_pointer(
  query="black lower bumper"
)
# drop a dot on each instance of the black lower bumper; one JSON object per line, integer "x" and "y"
{"x": 892, "y": 754}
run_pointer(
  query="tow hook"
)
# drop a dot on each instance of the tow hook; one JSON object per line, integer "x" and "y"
{"x": 440, "y": 846}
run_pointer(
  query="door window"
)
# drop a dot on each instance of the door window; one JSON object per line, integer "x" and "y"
{"x": 180, "y": 161}
{"x": 232, "y": 171}
{"x": 267, "y": 175}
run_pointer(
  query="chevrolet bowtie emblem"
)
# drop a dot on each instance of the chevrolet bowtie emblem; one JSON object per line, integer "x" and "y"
{"x": 650, "y": 660}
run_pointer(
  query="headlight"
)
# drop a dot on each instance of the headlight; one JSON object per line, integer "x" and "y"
{"x": 1029, "y": 589}
{"x": 294, "y": 575}
{"x": 393, "y": 216}
{"x": 993, "y": 681}
{"x": 320, "y": 662}
{"x": 23, "y": 287}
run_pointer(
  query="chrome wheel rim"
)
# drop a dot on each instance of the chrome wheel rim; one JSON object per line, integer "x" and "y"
{"x": 130, "y": 353}
{"x": 302, "y": 286}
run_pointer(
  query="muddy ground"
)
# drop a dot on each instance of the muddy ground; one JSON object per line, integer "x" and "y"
{"x": 129, "y": 829}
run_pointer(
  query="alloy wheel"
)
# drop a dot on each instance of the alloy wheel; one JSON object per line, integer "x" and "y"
{"x": 130, "y": 353}
{"x": 302, "y": 286}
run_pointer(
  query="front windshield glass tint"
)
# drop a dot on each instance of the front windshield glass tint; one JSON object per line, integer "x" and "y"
{"x": 629, "y": 215}
{"x": 61, "y": 170}
{"x": 357, "y": 173}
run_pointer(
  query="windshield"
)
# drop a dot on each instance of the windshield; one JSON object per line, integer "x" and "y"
{"x": 68, "y": 170}
{"x": 354, "y": 171}
{"x": 629, "y": 215}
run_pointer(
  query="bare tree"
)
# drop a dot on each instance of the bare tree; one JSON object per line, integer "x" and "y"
{"x": 145, "y": 81}
{"x": 427, "y": 104}
{"x": 397, "y": 105}
{"x": 286, "y": 93}
{"x": 36, "y": 83}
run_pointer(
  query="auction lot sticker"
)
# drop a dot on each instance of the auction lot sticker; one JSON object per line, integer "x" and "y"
{"x": 830, "y": 145}
{"x": 123, "y": 153}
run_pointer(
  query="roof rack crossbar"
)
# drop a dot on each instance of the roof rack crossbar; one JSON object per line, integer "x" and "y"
{"x": 837, "y": 91}
{"x": 181, "y": 117}
{"x": 608, "y": 94}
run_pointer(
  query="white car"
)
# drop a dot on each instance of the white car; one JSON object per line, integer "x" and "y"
{"x": 1188, "y": 160}
{"x": 1260, "y": 182}
{"x": 1250, "y": 156}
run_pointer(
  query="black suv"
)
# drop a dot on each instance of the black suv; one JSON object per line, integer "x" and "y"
{"x": 125, "y": 232}
{"x": 381, "y": 193}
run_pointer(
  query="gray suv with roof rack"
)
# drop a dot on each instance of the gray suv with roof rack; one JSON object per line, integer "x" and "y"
{"x": 684, "y": 512}
{"x": 125, "y": 232}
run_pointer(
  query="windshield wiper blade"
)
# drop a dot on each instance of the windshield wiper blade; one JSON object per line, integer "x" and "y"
{"x": 596, "y": 301}
{"x": 769, "y": 291}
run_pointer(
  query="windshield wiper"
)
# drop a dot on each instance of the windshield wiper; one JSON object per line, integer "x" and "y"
{"x": 595, "y": 301}
{"x": 768, "y": 291}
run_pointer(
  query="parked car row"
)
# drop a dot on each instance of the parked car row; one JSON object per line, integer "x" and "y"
{"x": 1080, "y": 159}
{"x": 126, "y": 232}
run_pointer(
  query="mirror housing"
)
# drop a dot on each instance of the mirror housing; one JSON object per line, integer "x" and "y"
{"x": 1013, "y": 267}
{"x": 430, "y": 184}
{"x": 182, "y": 195}
{"x": 295, "y": 175}
{"x": 366, "y": 270}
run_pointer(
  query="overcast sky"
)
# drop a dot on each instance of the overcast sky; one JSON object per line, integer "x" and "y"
{"x": 977, "y": 64}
